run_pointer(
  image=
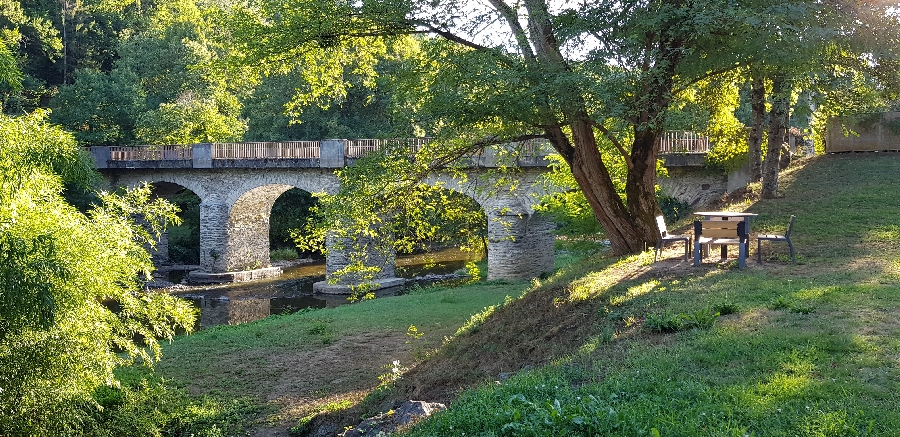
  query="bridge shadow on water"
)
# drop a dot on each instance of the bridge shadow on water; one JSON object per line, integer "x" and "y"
{"x": 231, "y": 304}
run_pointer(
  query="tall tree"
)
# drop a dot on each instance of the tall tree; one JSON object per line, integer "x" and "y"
{"x": 757, "y": 126}
{"x": 160, "y": 89}
{"x": 790, "y": 55}
{"x": 776, "y": 135}
{"x": 501, "y": 71}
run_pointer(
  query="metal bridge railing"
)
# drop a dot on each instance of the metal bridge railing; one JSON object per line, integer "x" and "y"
{"x": 266, "y": 150}
{"x": 683, "y": 142}
{"x": 288, "y": 149}
{"x": 150, "y": 153}
{"x": 360, "y": 148}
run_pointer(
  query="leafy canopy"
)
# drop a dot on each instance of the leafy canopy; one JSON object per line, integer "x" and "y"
{"x": 71, "y": 306}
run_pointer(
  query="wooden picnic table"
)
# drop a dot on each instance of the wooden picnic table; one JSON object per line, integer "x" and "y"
{"x": 746, "y": 217}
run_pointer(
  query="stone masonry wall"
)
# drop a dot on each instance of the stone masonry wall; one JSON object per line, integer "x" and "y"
{"x": 519, "y": 246}
{"x": 221, "y": 192}
{"x": 694, "y": 186}
{"x": 236, "y": 204}
{"x": 699, "y": 186}
{"x": 247, "y": 242}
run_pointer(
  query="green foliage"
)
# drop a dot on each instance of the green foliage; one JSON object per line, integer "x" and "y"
{"x": 188, "y": 121}
{"x": 568, "y": 206}
{"x": 100, "y": 108}
{"x": 673, "y": 209}
{"x": 289, "y": 213}
{"x": 397, "y": 215}
{"x": 366, "y": 109}
{"x": 394, "y": 373}
{"x": 709, "y": 107}
{"x": 10, "y": 75}
{"x": 184, "y": 238}
{"x": 153, "y": 408}
{"x": 283, "y": 254}
{"x": 783, "y": 303}
{"x": 666, "y": 322}
{"x": 159, "y": 86}
{"x": 59, "y": 340}
{"x": 726, "y": 308}
{"x": 301, "y": 428}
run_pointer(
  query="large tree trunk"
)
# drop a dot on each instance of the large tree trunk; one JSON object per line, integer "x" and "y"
{"x": 778, "y": 117}
{"x": 629, "y": 229}
{"x": 640, "y": 184}
{"x": 584, "y": 160}
{"x": 758, "y": 109}
{"x": 626, "y": 233}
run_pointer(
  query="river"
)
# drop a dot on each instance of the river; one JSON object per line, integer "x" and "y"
{"x": 230, "y": 304}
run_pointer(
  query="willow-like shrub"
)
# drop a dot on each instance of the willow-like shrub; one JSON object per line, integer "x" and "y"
{"x": 61, "y": 274}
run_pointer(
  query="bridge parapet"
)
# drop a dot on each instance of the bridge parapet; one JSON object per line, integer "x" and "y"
{"x": 288, "y": 154}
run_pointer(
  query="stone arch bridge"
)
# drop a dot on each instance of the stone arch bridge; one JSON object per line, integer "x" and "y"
{"x": 238, "y": 183}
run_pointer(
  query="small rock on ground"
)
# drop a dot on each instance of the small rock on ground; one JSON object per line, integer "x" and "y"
{"x": 386, "y": 423}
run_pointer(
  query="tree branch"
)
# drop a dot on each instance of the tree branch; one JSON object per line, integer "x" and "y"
{"x": 606, "y": 133}
{"x": 509, "y": 14}
{"x": 541, "y": 27}
{"x": 451, "y": 37}
{"x": 457, "y": 154}
{"x": 707, "y": 76}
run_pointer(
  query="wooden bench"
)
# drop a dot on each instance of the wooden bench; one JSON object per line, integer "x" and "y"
{"x": 721, "y": 232}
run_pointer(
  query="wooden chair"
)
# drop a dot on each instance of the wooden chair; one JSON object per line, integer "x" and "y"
{"x": 721, "y": 232}
{"x": 775, "y": 237}
{"x": 666, "y": 237}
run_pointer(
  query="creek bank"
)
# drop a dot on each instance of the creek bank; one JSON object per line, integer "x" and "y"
{"x": 236, "y": 303}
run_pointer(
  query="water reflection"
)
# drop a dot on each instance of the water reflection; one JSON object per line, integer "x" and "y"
{"x": 231, "y": 304}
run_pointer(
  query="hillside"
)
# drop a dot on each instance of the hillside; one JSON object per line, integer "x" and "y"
{"x": 607, "y": 346}
{"x": 807, "y": 349}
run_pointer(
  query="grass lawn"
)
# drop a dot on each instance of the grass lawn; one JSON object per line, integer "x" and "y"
{"x": 607, "y": 346}
{"x": 811, "y": 349}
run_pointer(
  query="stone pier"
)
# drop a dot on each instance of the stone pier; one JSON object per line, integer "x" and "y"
{"x": 520, "y": 246}
{"x": 365, "y": 253}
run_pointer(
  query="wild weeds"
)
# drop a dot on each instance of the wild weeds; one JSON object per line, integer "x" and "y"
{"x": 667, "y": 322}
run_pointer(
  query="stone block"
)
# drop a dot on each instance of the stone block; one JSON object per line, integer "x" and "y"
{"x": 331, "y": 154}
{"x": 202, "y": 155}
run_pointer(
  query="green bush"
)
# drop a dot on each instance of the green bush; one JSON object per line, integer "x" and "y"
{"x": 58, "y": 341}
{"x": 672, "y": 208}
{"x": 283, "y": 254}
{"x": 152, "y": 408}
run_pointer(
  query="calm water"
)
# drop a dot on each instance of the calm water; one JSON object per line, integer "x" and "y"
{"x": 230, "y": 304}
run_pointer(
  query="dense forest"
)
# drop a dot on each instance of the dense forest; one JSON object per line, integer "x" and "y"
{"x": 161, "y": 73}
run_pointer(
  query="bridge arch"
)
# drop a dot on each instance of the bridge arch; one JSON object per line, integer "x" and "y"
{"x": 520, "y": 241}
{"x": 249, "y": 204}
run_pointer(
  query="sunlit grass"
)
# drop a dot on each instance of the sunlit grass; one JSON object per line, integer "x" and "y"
{"x": 813, "y": 351}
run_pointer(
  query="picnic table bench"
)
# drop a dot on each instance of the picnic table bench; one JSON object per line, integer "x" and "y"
{"x": 721, "y": 232}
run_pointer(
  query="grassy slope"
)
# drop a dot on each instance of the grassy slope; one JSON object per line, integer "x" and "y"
{"x": 813, "y": 350}
{"x": 293, "y": 365}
